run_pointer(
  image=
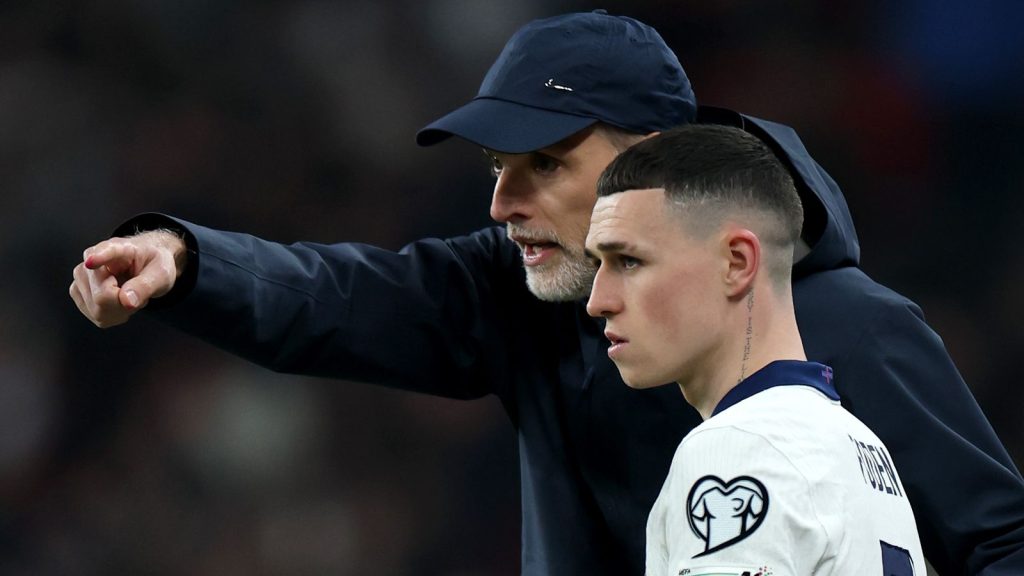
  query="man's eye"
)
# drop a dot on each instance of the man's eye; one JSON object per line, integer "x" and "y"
{"x": 495, "y": 166}
{"x": 544, "y": 164}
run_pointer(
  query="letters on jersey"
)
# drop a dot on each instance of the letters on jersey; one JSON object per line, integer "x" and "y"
{"x": 876, "y": 467}
{"x": 724, "y": 513}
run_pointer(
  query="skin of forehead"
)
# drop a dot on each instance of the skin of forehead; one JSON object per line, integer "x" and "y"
{"x": 607, "y": 209}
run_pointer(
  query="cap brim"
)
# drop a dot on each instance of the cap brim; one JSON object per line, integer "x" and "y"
{"x": 504, "y": 126}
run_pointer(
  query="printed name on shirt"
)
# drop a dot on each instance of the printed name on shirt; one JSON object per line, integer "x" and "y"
{"x": 876, "y": 467}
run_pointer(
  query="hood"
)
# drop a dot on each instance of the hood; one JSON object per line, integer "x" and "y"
{"x": 828, "y": 226}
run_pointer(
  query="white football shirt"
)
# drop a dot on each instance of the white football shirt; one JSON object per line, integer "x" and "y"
{"x": 783, "y": 481}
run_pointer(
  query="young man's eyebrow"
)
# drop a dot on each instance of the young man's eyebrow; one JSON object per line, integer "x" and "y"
{"x": 612, "y": 246}
{"x": 606, "y": 247}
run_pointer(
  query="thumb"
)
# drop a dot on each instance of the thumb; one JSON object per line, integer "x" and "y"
{"x": 135, "y": 293}
{"x": 129, "y": 299}
{"x": 154, "y": 280}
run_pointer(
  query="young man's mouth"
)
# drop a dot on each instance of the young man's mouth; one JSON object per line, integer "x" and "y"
{"x": 616, "y": 343}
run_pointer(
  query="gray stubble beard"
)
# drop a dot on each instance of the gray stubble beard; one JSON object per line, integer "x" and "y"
{"x": 571, "y": 278}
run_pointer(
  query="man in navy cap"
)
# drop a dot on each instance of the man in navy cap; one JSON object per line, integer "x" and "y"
{"x": 455, "y": 317}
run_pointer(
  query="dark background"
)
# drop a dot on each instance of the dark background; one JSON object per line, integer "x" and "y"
{"x": 136, "y": 450}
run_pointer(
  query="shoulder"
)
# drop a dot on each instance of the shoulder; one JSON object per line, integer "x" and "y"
{"x": 791, "y": 437}
{"x": 734, "y": 494}
{"x": 793, "y": 478}
{"x": 844, "y": 315}
{"x": 488, "y": 248}
{"x": 846, "y": 291}
{"x": 727, "y": 448}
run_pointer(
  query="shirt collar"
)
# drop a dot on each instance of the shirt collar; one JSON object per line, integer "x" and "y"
{"x": 781, "y": 373}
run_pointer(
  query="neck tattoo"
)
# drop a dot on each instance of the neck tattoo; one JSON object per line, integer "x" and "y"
{"x": 749, "y": 333}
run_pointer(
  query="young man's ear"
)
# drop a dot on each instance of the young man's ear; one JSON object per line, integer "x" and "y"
{"x": 742, "y": 251}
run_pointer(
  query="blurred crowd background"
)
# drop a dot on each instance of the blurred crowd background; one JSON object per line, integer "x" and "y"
{"x": 138, "y": 451}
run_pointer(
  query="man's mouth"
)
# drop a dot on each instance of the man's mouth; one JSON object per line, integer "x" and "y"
{"x": 535, "y": 254}
{"x": 535, "y": 251}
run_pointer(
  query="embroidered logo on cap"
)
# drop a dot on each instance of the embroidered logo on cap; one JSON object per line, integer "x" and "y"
{"x": 551, "y": 84}
{"x": 724, "y": 513}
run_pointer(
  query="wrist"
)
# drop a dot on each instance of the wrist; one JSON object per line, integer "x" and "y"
{"x": 175, "y": 242}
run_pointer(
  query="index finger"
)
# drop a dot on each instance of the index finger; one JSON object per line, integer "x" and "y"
{"x": 118, "y": 253}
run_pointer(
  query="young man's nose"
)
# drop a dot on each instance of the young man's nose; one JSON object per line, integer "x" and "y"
{"x": 603, "y": 301}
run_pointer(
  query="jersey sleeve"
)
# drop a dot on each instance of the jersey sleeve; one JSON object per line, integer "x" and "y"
{"x": 733, "y": 504}
{"x": 418, "y": 319}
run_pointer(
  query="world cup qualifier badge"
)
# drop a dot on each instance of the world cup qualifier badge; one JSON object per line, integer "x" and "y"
{"x": 723, "y": 513}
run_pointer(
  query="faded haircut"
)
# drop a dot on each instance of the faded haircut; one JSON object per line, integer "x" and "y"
{"x": 710, "y": 172}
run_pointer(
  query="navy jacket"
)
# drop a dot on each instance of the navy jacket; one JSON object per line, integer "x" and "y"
{"x": 454, "y": 318}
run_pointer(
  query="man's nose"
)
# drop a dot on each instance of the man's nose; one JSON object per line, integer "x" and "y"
{"x": 511, "y": 199}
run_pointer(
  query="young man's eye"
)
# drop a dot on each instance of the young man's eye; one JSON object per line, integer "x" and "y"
{"x": 629, "y": 263}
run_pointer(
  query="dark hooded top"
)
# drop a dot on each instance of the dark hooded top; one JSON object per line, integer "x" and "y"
{"x": 453, "y": 318}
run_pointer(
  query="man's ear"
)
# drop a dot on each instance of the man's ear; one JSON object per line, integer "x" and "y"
{"x": 742, "y": 250}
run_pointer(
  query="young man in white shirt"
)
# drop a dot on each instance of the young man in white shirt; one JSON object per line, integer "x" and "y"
{"x": 694, "y": 232}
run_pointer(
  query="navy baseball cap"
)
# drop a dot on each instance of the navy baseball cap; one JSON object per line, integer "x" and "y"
{"x": 556, "y": 76}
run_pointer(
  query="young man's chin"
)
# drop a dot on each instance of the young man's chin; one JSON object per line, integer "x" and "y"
{"x": 635, "y": 385}
{"x": 634, "y": 381}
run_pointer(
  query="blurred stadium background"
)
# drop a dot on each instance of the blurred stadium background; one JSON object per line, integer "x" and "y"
{"x": 136, "y": 450}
